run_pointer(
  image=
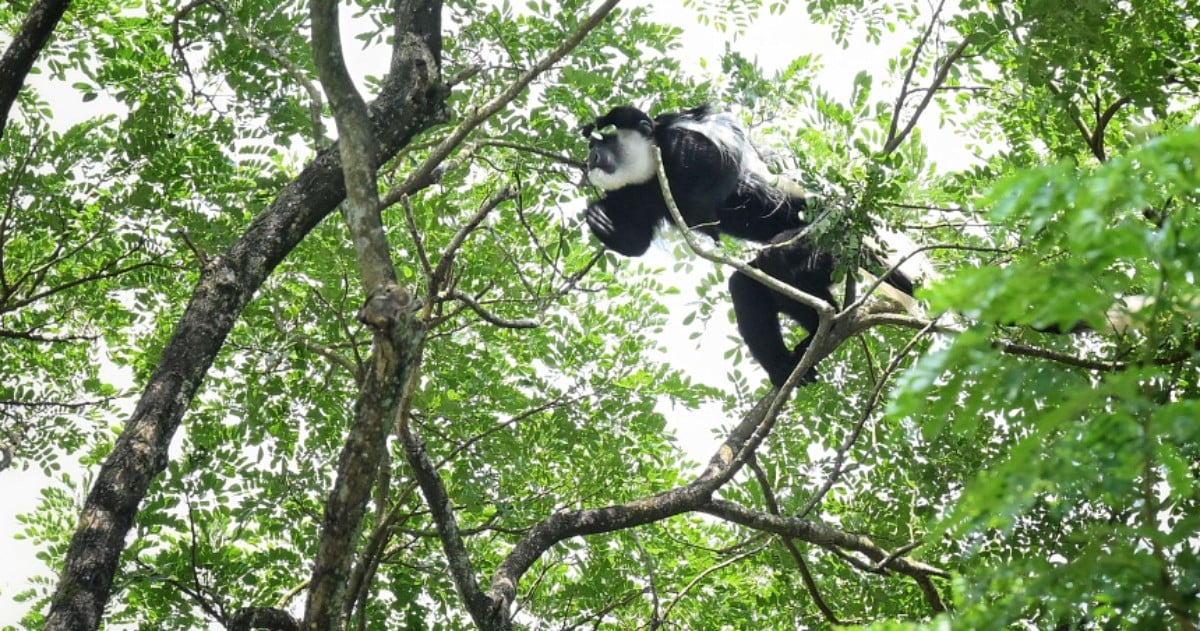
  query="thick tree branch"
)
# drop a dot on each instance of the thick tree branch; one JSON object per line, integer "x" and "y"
{"x": 388, "y": 311}
{"x": 741, "y": 441}
{"x": 262, "y": 618}
{"x": 356, "y": 146}
{"x": 397, "y": 343}
{"x": 1102, "y": 120}
{"x": 410, "y": 100}
{"x": 18, "y": 58}
{"x": 459, "y": 560}
{"x": 819, "y": 534}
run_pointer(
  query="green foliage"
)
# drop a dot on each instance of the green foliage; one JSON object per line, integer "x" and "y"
{"x": 1091, "y": 467}
{"x": 1054, "y": 476}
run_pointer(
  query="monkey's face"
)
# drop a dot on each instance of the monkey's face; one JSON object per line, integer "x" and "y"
{"x": 620, "y": 159}
{"x": 619, "y": 149}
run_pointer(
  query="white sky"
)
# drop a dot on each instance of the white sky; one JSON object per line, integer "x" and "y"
{"x": 773, "y": 42}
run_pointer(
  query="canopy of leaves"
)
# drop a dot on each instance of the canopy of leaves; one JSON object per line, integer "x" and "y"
{"x": 969, "y": 471}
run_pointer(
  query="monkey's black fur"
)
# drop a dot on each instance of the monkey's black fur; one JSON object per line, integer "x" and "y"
{"x": 709, "y": 164}
{"x": 720, "y": 187}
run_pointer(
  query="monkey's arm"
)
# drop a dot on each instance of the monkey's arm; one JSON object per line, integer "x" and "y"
{"x": 625, "y": 220}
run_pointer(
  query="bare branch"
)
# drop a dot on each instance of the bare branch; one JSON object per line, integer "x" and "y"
{"x": 705, "y": 573}
{"x": 1097, "y": 141}
{"x": 599, "y": 615}
{"x": 490, "y": 317}
{"x": 308, "y": 344}
{"x": 442, "y": 272}
{"x": 488, "y": 611}
{"x": 58, "y": 405}
{"x": 1005, "y": 346}
{"x": 741, "y": 442}
{"x": 852, "y": 437}
{"x": 538, "y": 151}
{"x": 482, "y": 609}
{"x": 939, "y": 78}
{"x": 418, "y": 240}
{"x": 908, "y": 73}
{"x": 110, "y": 269}
{"x": 810, "y": 583}
{"x": 36, "y": 337}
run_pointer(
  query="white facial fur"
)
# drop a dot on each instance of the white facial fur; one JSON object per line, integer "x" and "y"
{"x": 635, "y": 163}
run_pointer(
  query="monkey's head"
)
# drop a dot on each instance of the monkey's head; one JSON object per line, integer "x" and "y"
{"x": 619, "y": 148}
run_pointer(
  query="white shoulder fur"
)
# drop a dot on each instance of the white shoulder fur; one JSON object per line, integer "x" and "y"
{"x": 730, "y": 139}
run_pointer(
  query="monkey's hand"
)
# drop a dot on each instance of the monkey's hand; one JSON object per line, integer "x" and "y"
{"x": 599, "y": 221}
{"x": 625, "y": 233}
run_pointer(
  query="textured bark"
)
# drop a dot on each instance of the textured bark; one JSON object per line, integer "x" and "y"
{"x": 409, "y": 102}
{"x": 741, "y": 442}
{"x": 388, "y": 311}
{"x": 19, "y": 57}
{"x": 263, "y": 618}
{"x": 395, "y": 354}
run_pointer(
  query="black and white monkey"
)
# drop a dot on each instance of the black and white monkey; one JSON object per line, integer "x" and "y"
{"x": 721, "y": 187}
{"x": 716, "y": 179}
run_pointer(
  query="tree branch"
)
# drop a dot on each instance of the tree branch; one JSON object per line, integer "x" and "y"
{"x": 1004, "y": 346}
{"x": 727, "y": 461}
{"x": 487, "y": 611}
{"x": 908, "y": 73}
{"x": 388, "y": 311}
{"x": 939, "y": 78}
{"x": 819, "y": 534}
{"x": 300, "y": 75}
{"x": 356, "y": 146}
{"x": 810, "y": 583}
{"x": 18, "y": 58}
{"x": 482, "y": 113}
{"x": 409, "y": 101}
{"x": 479, "y": 606}
{"x": 852, "y": 437}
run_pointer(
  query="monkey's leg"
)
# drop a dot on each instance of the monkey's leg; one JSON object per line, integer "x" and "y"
{"x": 757, "y": 311}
